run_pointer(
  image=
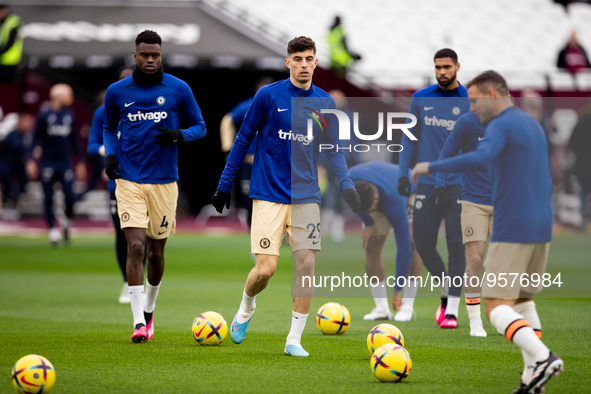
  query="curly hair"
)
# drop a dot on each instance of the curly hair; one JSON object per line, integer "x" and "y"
{"x": 148, "y": 37}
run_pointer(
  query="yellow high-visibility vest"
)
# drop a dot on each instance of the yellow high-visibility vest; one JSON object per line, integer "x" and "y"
{"x": 13, "y": 55}
{"x": 338, "y": 53}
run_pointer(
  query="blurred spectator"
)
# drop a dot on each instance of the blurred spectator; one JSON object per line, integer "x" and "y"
{"x": 56, "y": 136}
{"x": 580, "y": 143}
{"x": 11, "y": 43}
{"x": 13, "y": 152}
{"x": 573, "y": 57}
{"x": 229, "y": 126}
{"x": 340, "y": 56}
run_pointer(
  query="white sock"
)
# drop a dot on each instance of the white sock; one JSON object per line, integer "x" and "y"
{"x": 507, "y": 320}
{"x": 151, "y": 295}
{"x": 453, "y": 304}
{"x": 136, "y": 294}
{"x": 380, "y": 296}
{"x": 528, "y": 310}
{"x": 298, "y": 322}
{"x": 473, "y": 307}
{"x": 410, "y": 293}
{"x": 247, "y": 307}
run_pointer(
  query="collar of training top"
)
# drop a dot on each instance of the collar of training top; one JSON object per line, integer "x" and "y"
{"x": 300, "y": 91}
{"x": 451, "y": 92}
{"x": 144, "y": 79}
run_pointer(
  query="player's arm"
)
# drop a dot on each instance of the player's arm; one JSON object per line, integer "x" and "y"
{"x": 398, "y": 218}
{"x": 95, "y": 139}
{"x": 110, "y": 123}
{"x": 493, "y": 143}
{"x": 40, "y": 131}
{"x": 336, "y": 158}
{"x": 80, "y": 169}
{"x": 452, "y": 147}
{"x": 192, "y": 114}
{"x": 253, "y": 120}
{"x": 408, "y": 150}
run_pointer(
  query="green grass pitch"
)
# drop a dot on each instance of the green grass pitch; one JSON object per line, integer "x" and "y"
{"x": 62, "y": 303}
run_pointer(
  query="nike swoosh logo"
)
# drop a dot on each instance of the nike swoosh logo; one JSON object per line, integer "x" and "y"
{"x": 174, "y": 141}
{"x": 459, "y": 201}
{"x": 281, "y": 110}
{"x": 127, "y": 105}
{"x": 315, "y": 242}
{"x": 428, "y": 108}
{"x": 480, "y": 138}
{"x": 162, "y": 232}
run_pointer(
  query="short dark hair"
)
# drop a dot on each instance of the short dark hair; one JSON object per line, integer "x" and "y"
{"x": 488, "y": 79}
{"x": 446, "y": 52}
{"x": 300, "y": 44}
{"x": 148, "y": 37}
{"x": 367, "y": 192}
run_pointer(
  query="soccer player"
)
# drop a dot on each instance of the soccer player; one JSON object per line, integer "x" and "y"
{"x": 437, "y": 108}
{"x": 476, "y": 217}
{"x": 515, "y": 151}
{"x": 147, "y": 108}
{"x": 284, "y": 185}
{"x": 97, "y": 148}
{"x": 56, "y": 134}
{"x": 382, "y": 209}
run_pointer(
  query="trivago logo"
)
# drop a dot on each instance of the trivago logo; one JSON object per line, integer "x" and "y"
{"x": 154, "y": 116}
{"x": 345, "y": 129}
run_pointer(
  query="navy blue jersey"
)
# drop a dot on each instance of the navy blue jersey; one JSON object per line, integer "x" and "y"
{"x": 285, "y": 163}
{"x": 437, "y": 111}
{"x": 465, "y": 136}
{"x": 385, "y": 178}
{"x": 515, "y": 148}
{"x": 95, "y": 139}
{"x": 137, "y": 112}
{"x": 238, "y": 113}
{"x": 55, "y": 132}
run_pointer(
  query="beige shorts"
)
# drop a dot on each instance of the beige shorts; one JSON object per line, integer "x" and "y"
{"x": 410, "y": 203}
{"x": 148, "y": 205}
{"x": 271, "y": 220}
{"x": 477, "y": 221}
{"x": 504, "y": 260}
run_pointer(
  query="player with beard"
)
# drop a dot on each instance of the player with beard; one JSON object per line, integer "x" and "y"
{"x": 437, "y": 108}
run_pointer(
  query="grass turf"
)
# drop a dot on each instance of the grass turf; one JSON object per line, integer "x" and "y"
{"x": 62, "y": 303}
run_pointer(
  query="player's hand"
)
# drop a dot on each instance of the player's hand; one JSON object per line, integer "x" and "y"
{"x": 367, "y": 233}
{"x": 32, "y": 170}
{"x": 81, "y": 172}
{"x": 404, "y": 186}
{"x": 221, "y": 199}
{"x": 112, "y": 167}
{"x": 352, "y": 199}
{"x": 167, "y": 137}
{"x": 397, "y": 300}
{"x": 442, "y": 200}
{"x": 420, "y": 169}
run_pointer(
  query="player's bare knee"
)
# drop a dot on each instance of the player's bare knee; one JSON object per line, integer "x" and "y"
{"x": 266, "y": 272}
{"x": 135, "y": 249}
{"x": 306, "y": 267}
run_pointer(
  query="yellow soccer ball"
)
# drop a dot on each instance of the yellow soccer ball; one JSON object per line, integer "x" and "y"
{"x": 210, "y": 329}
{"x": 391, "y": 363}
{"x": 383, "y": 334}
{"x": 33, "y": 374}
{"x": 333, "y": 318}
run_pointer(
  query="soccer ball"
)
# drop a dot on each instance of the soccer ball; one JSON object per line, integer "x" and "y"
{"x": 382, "y": 334}
{"x": 333, "y": 318}
{"x": 391, "y": 363}
{"x": 210, "y": 329}
{"x": 33, "y": 374}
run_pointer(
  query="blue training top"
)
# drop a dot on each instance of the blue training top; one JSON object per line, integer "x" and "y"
{"x": 515, "y": 148}
{"x": 285, "y": 163}
{"x": 465, "y": 136}
{"x": 55, "y": 132}
{"x": 95, "y": 139}
{"x": 384, "y": 176}
{"x": 437, "y": 111}
{"x": 138, "y": 111}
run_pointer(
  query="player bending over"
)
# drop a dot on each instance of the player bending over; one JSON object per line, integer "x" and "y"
{"x": 284, "y": 184}
{"x": 515, "y": 151}
{"x": 147, "y": 108}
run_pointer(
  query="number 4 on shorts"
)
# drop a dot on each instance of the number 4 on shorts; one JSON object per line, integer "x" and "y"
{"x": 164, "y": 223}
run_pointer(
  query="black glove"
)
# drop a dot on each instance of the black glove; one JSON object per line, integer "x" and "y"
{"x": 352, "y": 199}
{"x": 112, "y": 167}
{"x": 404, "y": 186}
{"x": 442, "y": 200}
{"x": 169, "y": 136}
{"x": 219, "y": 199}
